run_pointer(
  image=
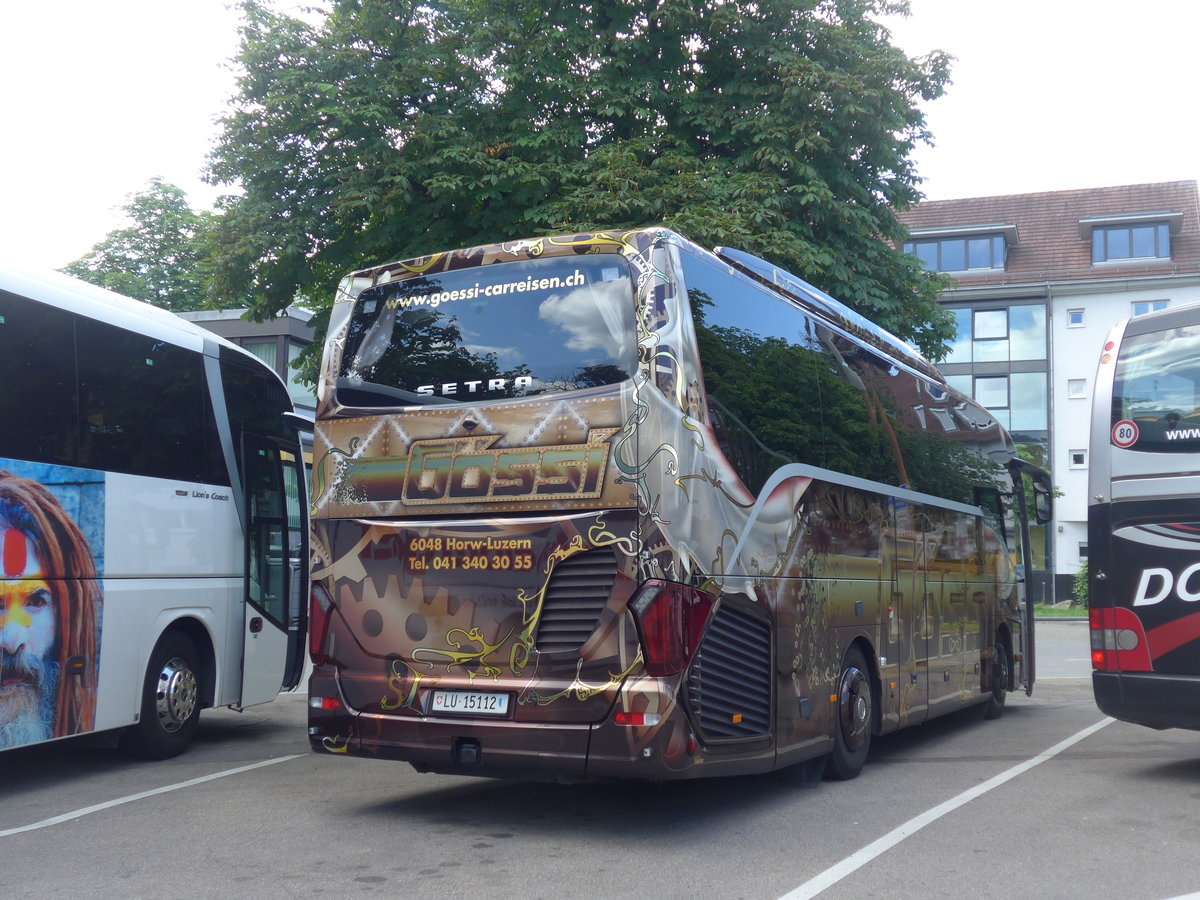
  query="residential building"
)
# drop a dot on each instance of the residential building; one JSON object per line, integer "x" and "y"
{"x": 1039, "y": 280}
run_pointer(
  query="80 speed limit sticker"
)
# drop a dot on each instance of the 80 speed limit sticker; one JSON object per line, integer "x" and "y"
{"x": 1125, "y": 434}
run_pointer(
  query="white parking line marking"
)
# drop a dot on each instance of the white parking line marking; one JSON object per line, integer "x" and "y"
{"x": 87, "y": 810}
{"x": 852, "y": 863}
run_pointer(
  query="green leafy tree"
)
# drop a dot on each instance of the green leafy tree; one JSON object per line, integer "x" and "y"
{"x": 159, "y": 257}
{"x": 388, "y": 129}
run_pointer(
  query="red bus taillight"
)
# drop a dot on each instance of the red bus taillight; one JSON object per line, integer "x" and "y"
{"x": 1118, "y": 641}
{"x": 319, "y": 606}
{"x": 671, "y": 619}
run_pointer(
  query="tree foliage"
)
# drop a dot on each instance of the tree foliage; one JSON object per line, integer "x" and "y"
{"x": 159, "y": 257}
{"x": 1079, "y": 586}
{"x": 384, "y": 129}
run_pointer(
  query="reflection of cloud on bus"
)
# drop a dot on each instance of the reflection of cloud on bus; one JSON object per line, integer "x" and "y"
{"x": 584, "y": 322}
{"x": 49, "y": 615}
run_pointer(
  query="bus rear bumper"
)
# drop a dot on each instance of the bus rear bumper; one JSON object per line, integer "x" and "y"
{"x": 531, "y": 751}
{"x": 540, "y": 751}
{"x": 1149, "y": 698}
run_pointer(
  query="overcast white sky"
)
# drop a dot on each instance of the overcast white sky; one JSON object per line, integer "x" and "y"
{"x": 98, "y": 98}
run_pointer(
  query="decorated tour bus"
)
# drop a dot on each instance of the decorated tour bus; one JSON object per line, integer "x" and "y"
{"x": 612, "y": 505}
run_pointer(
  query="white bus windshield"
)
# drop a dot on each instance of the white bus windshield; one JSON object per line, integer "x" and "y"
{"x": 1157, "y": 387}
{"x": 513, "y": 329}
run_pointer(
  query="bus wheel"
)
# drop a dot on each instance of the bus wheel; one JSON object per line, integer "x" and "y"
{"x": 855, "y": 714}
{"x": 170, "y": 702}
{"x": 994, "y": 705}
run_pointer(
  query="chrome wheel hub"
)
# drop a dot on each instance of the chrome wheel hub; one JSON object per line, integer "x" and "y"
{"x": 177, "y": 694}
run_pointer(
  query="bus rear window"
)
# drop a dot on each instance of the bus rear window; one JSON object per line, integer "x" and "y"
{"x": 1157, "y": 388}
{"x": 512, "y": 329}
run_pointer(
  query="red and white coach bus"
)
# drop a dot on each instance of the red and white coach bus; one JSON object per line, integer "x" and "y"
{"x": 1144, "y": 521}
{"x": 615, "y": 506}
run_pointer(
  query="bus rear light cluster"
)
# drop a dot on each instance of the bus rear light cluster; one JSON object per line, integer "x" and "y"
{"x": 319, "y": 608}
{"x": 1118, "y": 641}
{"x": 326, "y": 704}
{"x": 636, "y": 720}
{"x": 671, "y": 619}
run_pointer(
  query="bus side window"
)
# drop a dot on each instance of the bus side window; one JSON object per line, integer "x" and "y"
{"x": 722, "y": 436}
{"x": 39, "y": 400}
{"x": 760, "y": 368}
{"x": 992, "y": 503}
{"x": 141, "y": 402}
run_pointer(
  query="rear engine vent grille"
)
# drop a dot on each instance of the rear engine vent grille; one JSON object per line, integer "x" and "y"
{"x": 578, "y": 591}
{"x": 729, "y": 681}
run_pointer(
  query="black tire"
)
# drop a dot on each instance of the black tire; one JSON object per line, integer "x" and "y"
{"x": 854, "y": 718}
{"x": 170, "y": 701}
{"x": 1001, "y": 667}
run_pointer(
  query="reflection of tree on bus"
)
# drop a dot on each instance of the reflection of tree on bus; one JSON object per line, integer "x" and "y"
{"x": 49, "y": 609}
{"x": 807, "y": 416}
{"x": 426, "y": 344}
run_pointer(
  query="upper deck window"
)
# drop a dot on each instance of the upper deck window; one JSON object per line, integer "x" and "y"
{"x": 512, "y": 329}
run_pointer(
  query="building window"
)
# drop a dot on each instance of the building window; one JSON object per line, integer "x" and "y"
{"x": 1074, "y": 318}
{"x": 1083, "y": 552}
{"x": 991, "y": 324}
{"x": 959, "y": 254}
{"x": 1018, "y": 400}
{"x": 301, "y": 394}
{"x": 1141, "y": 307}
{"x": 998, "y": 335}
{"x": 992, "y": 391}
{"x": 1027, "y": 401}
{"x": 265, "y": 350}
{"x": 1076, "y": 388}
{"x": 1123, "y": 242}
{"x": 1078, "y": 459}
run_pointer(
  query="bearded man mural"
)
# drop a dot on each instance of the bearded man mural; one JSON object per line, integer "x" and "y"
{"x": 49, "y": 614}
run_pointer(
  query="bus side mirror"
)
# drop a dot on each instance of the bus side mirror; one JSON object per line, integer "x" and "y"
{"x": 1043, "y": 507}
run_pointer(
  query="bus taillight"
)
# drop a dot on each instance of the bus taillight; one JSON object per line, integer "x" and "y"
{"x": 671, "y": 619}
{"x": 320, "y": 604}
{"x": 1118, "y": 641}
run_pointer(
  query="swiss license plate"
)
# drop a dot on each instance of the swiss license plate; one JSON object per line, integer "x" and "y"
{"x": 471, "y": 703}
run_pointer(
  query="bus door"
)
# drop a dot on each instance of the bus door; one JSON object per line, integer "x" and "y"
{"x": 276, "y": 548}
{"x": 1030, "y": 512}
{"x": 910, "y": 616}
{"x": 950, "y": 607}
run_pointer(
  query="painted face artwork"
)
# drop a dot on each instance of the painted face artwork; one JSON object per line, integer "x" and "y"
{"x": 28, "y": 670}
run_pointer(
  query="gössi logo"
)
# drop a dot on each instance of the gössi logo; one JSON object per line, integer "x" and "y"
{"x": 1155, "y": 585}
{"x": 507, "y": 387}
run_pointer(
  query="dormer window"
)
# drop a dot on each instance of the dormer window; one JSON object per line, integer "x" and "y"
{"x": 1140, "y": 237}
{"x": 972, "y": 249}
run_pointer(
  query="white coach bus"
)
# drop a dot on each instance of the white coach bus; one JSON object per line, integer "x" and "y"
{"x": 152, "y": 526}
